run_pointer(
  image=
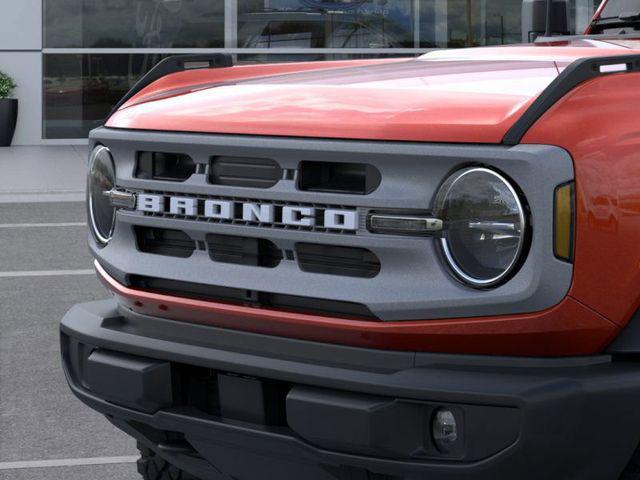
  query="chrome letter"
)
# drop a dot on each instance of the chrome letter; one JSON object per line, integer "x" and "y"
{"x": 341, "y": 219}
{"x": 298, "y": 216}
{"x": 183, "y": 206}
{"x": 221, "y": 209}
{"x": 150, "y": 203}
{"x": 254, "y": 212}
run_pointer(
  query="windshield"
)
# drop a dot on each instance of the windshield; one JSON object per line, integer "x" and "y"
{"x": 270, "y": 31}
{"x": 615, "y": 8}
{"x": 618, "y": 17}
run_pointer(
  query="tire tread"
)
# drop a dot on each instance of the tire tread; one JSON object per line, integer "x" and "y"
{"x": 153, "y": 467}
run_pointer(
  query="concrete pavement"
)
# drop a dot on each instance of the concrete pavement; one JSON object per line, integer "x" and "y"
{"x": 42, "y": 173}
{"x": 45, "y": 433}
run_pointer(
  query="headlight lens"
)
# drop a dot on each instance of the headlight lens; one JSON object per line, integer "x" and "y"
{"x": 101, "y": 179}
{"x": 484, "y": 226}
{"x": 444, "y": 429}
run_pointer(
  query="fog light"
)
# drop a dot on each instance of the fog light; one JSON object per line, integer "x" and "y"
{"x": 444, "y": 430}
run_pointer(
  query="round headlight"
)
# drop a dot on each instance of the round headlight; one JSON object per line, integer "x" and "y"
{"x": 484, "y": 226}
{"x": 101, "y": 179}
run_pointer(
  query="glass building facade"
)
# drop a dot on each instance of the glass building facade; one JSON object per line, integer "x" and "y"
{"x": 94, "y": 50}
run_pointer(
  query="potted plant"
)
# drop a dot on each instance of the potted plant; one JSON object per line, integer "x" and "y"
{"x": 8, "y": 110}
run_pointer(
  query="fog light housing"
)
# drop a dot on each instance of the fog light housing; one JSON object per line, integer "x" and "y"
{"x": 444, "y": 430}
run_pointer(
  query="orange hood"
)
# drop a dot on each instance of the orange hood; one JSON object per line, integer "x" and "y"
{"x": 470, "y": 95}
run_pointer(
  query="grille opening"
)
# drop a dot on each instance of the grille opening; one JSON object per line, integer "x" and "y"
{"x": 332, "y": 260}
{"x": 351, "y": 178}
{"x": 252, "y": 298}
{"x": 172, "y": 167}
{"x": 256, "y": 252}
{"x": 244, "y": 172}
{"x": 160, "y": 241}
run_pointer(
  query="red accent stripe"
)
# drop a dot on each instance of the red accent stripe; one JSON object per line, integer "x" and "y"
{"x": 570, "y": 328}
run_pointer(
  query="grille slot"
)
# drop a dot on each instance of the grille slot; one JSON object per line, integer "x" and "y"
{"x": 172, "y": 167}
{"x": 252, "y": 298}
{"x": 244, "y": 172}
{"x": 350, "y": 178}
{"x": 243, "y": 250}
{"x": 160, "y": 241}
{"x": 332, "y": 260}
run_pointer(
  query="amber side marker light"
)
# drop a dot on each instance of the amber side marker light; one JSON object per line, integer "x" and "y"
{"x": 563, "y": 221}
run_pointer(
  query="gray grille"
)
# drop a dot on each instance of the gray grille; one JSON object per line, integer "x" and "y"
{"x": 412, "y": 283}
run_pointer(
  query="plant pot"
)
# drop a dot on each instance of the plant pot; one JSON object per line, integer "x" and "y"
{"x": 8, "y": 119}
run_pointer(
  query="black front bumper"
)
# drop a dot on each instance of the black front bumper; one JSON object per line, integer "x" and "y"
{"x": 229, "y": 404}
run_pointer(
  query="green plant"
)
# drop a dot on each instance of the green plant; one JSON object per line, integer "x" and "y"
{"x": 6, "y": 85}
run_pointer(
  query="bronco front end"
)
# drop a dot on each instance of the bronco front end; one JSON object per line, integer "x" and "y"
{"x": 418, "y": 268}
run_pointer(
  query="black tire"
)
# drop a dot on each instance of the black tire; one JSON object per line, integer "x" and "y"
{"x": 632, "y": 472}
{"x": 153, "y": 467}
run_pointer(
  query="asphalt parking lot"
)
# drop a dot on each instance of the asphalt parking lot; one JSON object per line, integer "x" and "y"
{"x": 45, "y": 432}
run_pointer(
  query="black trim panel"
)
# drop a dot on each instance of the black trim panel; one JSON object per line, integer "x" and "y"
{"x": 628, "y": 342}
{"x": 174, "y": 64}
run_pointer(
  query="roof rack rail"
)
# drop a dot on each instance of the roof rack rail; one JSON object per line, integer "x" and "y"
{"x": 576, "y": 73}
{"x": 174, "y": 64}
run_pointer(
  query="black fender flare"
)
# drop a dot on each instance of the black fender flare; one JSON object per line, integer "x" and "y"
{"x": 578, "y": 72}
{"x": 628, "y": 342}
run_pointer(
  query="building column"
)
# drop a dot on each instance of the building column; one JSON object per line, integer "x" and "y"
{"x": 441, "y": 23}
{"x": 230, "y": 23}
{"x": 584, "y": 13}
